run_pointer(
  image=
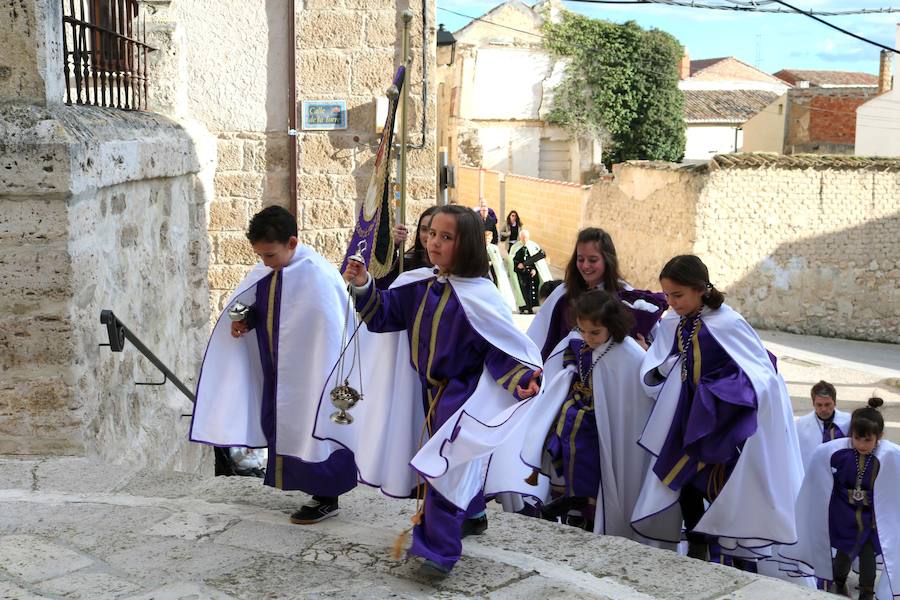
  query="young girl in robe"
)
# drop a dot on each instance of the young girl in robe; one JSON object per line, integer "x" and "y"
{"x": 593, "y": 411}
{"x": 594, "y": 265}
{"x": 462, "y": 343}
{"x": 722, "y": 428}
{"x": 858, "y": 476}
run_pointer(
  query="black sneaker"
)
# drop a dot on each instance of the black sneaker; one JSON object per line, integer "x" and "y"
{"x": 314, "y": 511}
{"x": 432, "y": 568}
{"x": 474, "y": 526}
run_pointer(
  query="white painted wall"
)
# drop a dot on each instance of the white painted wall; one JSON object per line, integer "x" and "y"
{"x": 878, "y": 120}
{"x": 510, "y": 148}
{"x": 705, "y": 141}
{"x": 508, "y": 84}
{"x": 765, "y": 131}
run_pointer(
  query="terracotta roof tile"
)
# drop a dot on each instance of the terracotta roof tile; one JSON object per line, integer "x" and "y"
{"x": 725, "y": 106}
{"x": 826, "y": 78}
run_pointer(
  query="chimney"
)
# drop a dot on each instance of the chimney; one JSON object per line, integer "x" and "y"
{"x": 884, "y": 72}
{"x": 685, "y": 66}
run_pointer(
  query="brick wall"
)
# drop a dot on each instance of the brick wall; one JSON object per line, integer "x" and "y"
{"x": 552, "y": 211}
{"x": 808, "y": 245}
{"x": 823, "y": 121}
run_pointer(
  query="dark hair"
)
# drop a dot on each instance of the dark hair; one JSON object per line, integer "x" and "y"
{"x": 272, "y": 224}
{"x": 598, "y": 306}
{"x": 518, "y": 218}
{"x": 575, "y": 284}
{"x": 471, "y": 258}
{"x": 418, "y": 255}
{"x": 689, "y": 270}
{"x": 823, "y": 388}
{"x": 547, "y": 288}
{"x": 868, "y": 420}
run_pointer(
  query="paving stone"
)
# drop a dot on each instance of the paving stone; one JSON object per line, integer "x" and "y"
{"x": 190, "y": 526}
{"x": 772, "y": 589}
{"x": 280, "y": 539}
{"x": 170, "y": 560}
{"x": 80, "y": 475}
{"x": 274, "y": 578}
{"x": 16, "y": 474}
{"x": 89, "y": 586}
{"x": 10, "y": 591}
{"x": 541, "y": 588}
{"x": 32, "y": 559}
{"x": 183, "y": 591}
{"x": 154, "y": 484}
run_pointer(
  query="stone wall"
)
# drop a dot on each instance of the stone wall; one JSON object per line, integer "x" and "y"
{"x": 345, "y": 49}
{"x": 803, "y": 244}
{"x": 100, "y": 209}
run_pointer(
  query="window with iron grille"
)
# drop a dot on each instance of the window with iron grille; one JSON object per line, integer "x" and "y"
{"x": 105, "y": 53}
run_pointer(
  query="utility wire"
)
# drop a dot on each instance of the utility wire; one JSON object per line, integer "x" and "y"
{"x": 835, "y": 27}
{"x": 745, "y": 7}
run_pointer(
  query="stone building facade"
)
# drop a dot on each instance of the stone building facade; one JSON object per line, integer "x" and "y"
{"x": 144, "y": 212}
{"x": 804, "y": 244}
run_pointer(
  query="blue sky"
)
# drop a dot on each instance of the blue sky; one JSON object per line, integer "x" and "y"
{"x": 771, "y": 42}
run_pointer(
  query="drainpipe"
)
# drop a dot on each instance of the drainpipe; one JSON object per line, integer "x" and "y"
{"x": 292, "y": 105}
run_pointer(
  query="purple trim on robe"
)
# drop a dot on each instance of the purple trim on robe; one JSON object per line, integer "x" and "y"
{"x": 850, "y": 523}
{"x": 831, "y": 431}
{"x": 460, "y": 356}
{"x": 712, "y": 421}
{"x": 331, "y": 477}
{"x": 562, "y": 322}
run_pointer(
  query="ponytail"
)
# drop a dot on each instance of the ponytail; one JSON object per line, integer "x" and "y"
{"x": 689, "y": 271}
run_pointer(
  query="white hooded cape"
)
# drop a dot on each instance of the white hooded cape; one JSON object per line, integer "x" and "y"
{"x": 543, "y": 271}
{"x": 755, "y": 508}
{"x": 388, "y": 425}
{"x": 813, "y": 547}
{"x": 621, "y": 408}
{"x": 229, "y": 390}
{"x": 809, "y": 431}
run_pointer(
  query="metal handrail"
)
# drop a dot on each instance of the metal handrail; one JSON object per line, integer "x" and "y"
{"x": 118, "y": 333}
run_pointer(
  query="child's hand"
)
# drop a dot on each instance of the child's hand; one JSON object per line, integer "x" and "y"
{"x": 642, "y": 342}
{"x": 400, "y": 234}
{"x": 239, "y": 328}
{"x": 356, "y": 273}
{"x": 532, "y": 388}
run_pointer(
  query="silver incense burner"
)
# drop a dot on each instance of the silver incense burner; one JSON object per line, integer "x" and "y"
{"x": 344, "y": 397}
{"x": 239, "y": 312}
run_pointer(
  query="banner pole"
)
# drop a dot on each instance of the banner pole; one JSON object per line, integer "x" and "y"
{"x": 407, "y": 16}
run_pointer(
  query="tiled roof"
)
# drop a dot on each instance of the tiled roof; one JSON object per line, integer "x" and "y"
{"x": 826, "y": 78}
{"x": 699, "y": 65}
{"x": 724, "y": 106}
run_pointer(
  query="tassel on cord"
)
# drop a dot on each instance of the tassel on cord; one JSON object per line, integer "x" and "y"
{"x": 533, "y": 478}
{"x": 400, "y": 542}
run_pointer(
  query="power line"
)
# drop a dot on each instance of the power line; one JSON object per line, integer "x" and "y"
{"x": 836, "y": 28}
{"x": 745, "y": 7}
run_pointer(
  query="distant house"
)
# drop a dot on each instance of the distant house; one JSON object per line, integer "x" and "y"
{"x": 494, "y": 96}
{"x": 878, "y": 120}
{"x": 814, "y": 120}
{"x": 720, "y": 95}
{"x": 804, "y": 78}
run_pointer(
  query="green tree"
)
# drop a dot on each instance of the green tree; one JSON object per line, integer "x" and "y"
{"x": 620, "y": 85}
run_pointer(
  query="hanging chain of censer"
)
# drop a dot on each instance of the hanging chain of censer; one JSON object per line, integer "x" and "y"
{"x": 344, "y": 396}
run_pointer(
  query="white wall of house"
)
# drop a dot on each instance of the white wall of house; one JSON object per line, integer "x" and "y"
{"x": 765, "y": 131}
{"x": 510, "y": 148}
{"x": 705, "y": 141}
{"x": 878, "y": 120}
{"x": 507, "y": 83}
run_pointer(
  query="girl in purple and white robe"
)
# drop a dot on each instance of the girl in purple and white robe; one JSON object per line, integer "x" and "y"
{"x": 722, "y": 430}
{"x": 584, "y": 437}
{"x": 849, "y": 508}
{"x": 594, "y": 265}
{"x": 462, "y": 353}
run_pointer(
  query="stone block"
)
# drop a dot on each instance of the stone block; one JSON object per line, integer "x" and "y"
{"x": 32, "y": 559}
{"x": 234, "y": 249}
{"x": 323, "y": 152}
{"x": 323, "y": 73}
{"x": 37, "y": 339}
{"x": 383, "y": 28}
{"x": 374, "y": 5}
{"x": 361, "y": 118}
{"x": 372, "y": 71}
{"x": 230, "y": 155}
{"x": 228, "y": 215}
{"x": 87, "y": 586}
{"x": 255, "y": 155}
{"x": 32, "y": 220}
{"x": 328, "y": 215}
{"x": 226, "y": 277}
{"x": 239, "y": 185}
{"x": 329, "y": 29}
